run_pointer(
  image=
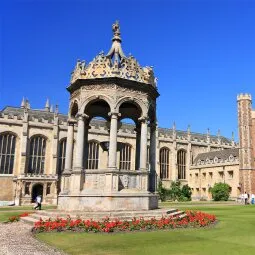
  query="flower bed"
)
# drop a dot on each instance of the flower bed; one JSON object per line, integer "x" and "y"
{"x": 191, "y": 219}
{"x": 17, "y": 217}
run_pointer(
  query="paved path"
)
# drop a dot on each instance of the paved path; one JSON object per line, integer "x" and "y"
{"x": 16, "y": 239}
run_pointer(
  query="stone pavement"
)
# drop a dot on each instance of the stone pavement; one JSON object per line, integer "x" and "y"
{"x": 16, "y": 239}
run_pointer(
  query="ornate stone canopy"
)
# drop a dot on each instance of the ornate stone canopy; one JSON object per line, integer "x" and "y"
{"x": 114, "y": 64}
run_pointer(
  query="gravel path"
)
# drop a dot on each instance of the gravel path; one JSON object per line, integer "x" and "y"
{"x": 16, "y": 239}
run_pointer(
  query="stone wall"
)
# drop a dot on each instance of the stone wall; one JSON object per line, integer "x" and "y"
{"x": 6, "y": 187}
{"x": 201, "y": 179}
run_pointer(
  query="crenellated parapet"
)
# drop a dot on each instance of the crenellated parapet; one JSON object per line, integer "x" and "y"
{"x": 244, "y": 96}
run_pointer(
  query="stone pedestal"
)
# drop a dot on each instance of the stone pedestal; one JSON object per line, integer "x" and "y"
{"x": 108, "y": 202}
{"x": 111, "y": 190}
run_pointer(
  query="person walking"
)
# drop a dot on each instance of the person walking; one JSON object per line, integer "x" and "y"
{"x": 252, "y": 199}
{"x": 38, "y": 202}
{"x": 245, "y": 198}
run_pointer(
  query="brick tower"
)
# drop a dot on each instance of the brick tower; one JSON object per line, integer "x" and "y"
{"x": 246, "y": 125}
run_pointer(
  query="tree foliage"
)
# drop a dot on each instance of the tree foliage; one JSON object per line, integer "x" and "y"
{"x": 220, "y": 191}
{"x": 176, "y": 192}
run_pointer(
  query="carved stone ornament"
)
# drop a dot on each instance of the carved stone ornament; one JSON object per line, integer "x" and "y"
{"x": 125, "y": 181}
{"x": 114, "y": 64}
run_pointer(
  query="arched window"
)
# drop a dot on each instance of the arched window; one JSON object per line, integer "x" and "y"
{"x": 37, "y": 155}
{"x": 61, "y": 155}
{"x": 181, "y": 164}
{"x": 93, "y": 155}
{"x": 125, "y": 157}
{"x": 7, "y": 153}
{"x": 164, "y": 163}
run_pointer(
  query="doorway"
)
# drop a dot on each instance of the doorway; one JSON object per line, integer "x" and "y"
{"x": 37, "y": 190}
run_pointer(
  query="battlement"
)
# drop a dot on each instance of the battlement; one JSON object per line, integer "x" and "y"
{"x": 244, "y": 96}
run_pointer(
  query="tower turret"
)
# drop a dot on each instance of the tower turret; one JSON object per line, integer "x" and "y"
{"x": 246, "y": 158}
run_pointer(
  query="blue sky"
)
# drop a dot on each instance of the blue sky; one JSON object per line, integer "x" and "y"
{"x": 203, "y": 53}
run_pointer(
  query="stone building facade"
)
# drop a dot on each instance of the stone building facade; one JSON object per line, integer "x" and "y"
{"x": 93, "y": 151}
{"x": 176, "y": 154}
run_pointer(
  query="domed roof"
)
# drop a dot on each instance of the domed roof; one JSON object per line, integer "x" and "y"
{"x": 114, "y": 64}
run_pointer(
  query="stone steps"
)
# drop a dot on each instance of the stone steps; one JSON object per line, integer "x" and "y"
{"x": 98, "y": 216}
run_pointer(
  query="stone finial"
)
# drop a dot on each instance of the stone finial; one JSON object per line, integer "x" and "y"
{"x": 218, "y": 135}
{"x": 116, "y": 31}
{"x": 188, "y": 129}
{"x": 56, "y": 109}
{"x": 174, "y": 126}
{"x": 27, "y": 104}
{"x": 174, "y": 131}
{"x": 116, "y": 50}
{"x": 51, "y": 108}
{"x": 208, "y": 135}
{"x": 233, "y": 139}
{"x": 47, "y": 105}
{"x": 23, "y": 103}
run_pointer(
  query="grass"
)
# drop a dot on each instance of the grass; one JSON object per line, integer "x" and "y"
{"x": 233, "y": 235}
{"x": 25, "y": 207}
{"x": 4, "y": 216}
{"x": 6, "y": 212}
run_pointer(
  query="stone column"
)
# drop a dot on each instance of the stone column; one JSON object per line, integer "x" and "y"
{"x": 137, "y": 146}
{"x": 65, "y": 179}
{"x": 112, "y": 161}
{"x": 86, "y": 152}
{"x": 23, "y": 144}
{"x": 77, "y": 176}
{"x": 153, "y": 147}
{"x": 54, "y": 163}
{"x": 143, "y": 145}
{"x": 69, "y": 146}
{"x": 80, "y": 142}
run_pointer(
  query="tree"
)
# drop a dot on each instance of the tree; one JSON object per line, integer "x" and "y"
{"x": 220, "y": 191}
{"x": 186, "y": 192}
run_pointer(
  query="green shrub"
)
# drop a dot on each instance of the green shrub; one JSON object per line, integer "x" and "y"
{"x": 176, "y": 192}
{"x": 220, "y": 191}
{"x": 186, "y": 192}
{"x": 162, "y": 192}
{"x": 182, "y": 198}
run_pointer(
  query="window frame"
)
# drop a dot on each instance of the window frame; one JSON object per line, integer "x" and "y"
{"x": 7, "y": 152}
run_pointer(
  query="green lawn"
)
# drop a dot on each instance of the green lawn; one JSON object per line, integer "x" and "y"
{"x": 234, "y": 234}
{"x": 6, "y": 212}
{"x": 25, "y": 207}
{"x": 4, "y": 216}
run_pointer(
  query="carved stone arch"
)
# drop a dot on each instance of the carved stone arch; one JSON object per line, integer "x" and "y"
{"x": 62, "y": 139}
{"x": 137, "y": 102}
{"x": 94, "y": 98}
{"x": 181, "y": 149}
{"x": 41, "y": 135}
{"x": 152, "y": 112}
{"x": 73, "y": 108}
{"x": 165, "y": 147}
{"x": 94, "y": 141}
{"x": 9, "y": 132}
